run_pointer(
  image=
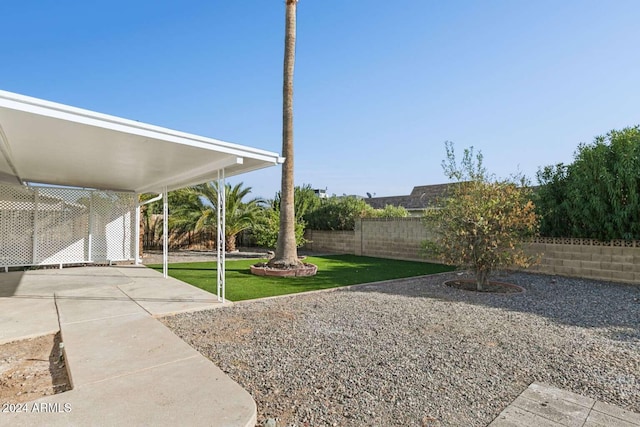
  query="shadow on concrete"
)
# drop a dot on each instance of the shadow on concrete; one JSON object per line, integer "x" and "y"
{"x": 9, "y": 283}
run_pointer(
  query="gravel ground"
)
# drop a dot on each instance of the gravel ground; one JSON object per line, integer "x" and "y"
{"x": 414, "y": 352}
{"x": 155, "y": 256}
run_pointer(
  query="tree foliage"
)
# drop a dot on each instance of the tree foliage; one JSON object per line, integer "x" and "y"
{"x": 184, "y": 210}
{"x": 305, "y": 201}
{"x": 389, "y": 211}
{"x": 240, "y": 214}
{"x": 266, "y": 227}
{"x": 598, "y": 195}
{"x": 483, "y": 221}
{"x": 341, "y": 213}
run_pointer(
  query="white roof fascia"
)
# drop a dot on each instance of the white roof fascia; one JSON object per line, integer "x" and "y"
{"x": 238, "y": 158}
{"x": 91, "y": 118}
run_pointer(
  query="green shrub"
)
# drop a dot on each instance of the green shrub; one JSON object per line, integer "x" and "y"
{"x": 265, "y": 229}
{"x": 337, "y": 213}
{"x": 389, "y": 211}
{"x": 483, "y": 222}
{"x": 598, "y": 195}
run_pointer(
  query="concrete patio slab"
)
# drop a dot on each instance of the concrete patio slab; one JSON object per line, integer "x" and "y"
{"x": 27, "y": 317}
{"x": 513, "y": 416}
{"x": 546, "y": 406}
{"x": 97, "y": 350}
{"x": 47, "y": 282}
{"x": 126, "y": 367}
{"x": 170, "y": 297}
{"x": 92, "y": 303}
{"x": 190, "y": 392}
{"x": 617, "y": 412}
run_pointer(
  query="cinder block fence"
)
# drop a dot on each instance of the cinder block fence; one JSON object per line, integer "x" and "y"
{"x": 616, "y": 260}
{"x": 401, "y": 238}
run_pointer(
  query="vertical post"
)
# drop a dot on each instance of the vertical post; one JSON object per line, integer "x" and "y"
{"x": 165, "y": 232}
{"x": 36, "y": 199}
{"x": 224, "y": 240}
{"x": 136, "y": 253}
{"x": 90, "y": 241}
{"x": 220, "y": 236}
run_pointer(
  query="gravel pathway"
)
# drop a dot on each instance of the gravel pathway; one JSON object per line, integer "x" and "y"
{"x": 417, "y": 353}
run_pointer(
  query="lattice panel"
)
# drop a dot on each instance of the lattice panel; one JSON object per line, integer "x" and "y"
{"x": 16, "y": 225}
{"x": 113, "y": 226}
{"x": 61, "y": 225}
{"x": 587, "y": 242}
{"x": 50, "y": 225}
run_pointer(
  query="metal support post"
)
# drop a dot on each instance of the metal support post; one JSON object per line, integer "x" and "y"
{"x": 136, "y": 253}
{"x": 165, "y": 233}
{"x": 36, "y": 199}
{"x": 221, "y": 241}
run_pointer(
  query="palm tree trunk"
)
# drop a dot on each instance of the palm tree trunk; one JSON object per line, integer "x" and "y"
{"x": 286, "y": 251}
{"x": 230, "y": 243}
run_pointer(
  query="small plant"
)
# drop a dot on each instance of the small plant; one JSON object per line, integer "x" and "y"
{"x": 483, "y": 221}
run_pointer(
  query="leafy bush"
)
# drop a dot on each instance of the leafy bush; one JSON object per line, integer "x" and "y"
{"x": 483, "y": 222}
{"x": 341, "y": 213}
{"x": 598, "y": 195}
{"x": 389, "y": 211}
{"x": 265, "y": 229}
{"x": 305, "y": 201}
{"x": 337, "y": 213}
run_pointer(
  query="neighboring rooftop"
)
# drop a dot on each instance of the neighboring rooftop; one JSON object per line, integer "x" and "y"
{"x": 421, "y": 197}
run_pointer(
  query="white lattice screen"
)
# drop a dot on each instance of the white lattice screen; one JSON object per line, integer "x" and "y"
{"x": 51, "y": 225}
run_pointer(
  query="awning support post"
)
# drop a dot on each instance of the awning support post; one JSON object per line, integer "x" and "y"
{"x": 221, "y": 241}
{"x": 136, "y": 253}
{"x": 165, "y": 233}
{"x": 34, "y": 246}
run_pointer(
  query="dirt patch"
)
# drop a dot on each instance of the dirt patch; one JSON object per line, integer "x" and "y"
{"x": 30, "y": 369}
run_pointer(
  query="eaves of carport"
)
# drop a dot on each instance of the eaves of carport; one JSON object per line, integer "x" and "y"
{"x": 51, "y": 143}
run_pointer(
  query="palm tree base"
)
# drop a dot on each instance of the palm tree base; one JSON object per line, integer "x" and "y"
{"x": 302, "y": 270}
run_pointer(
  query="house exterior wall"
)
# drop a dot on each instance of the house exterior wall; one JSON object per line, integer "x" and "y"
{"x": 401, "y": 238}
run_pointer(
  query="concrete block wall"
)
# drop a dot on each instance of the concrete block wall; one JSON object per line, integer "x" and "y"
{"x": 340, "y": 242}
{"x": 395, "y": 238}
{"x": 616, "y": 260}
{"x": 401, "y": 238}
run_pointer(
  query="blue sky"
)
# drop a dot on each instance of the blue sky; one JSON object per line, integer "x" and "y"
{"x": 379, "y": 85}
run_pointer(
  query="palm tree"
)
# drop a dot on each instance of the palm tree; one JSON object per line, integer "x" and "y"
{"x": 185, "y": 208}
{"x": 239, "y": 215}
{"x": 286, "y": 254}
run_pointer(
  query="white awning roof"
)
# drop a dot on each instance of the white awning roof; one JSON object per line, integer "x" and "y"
{"x": 46, "y": 142}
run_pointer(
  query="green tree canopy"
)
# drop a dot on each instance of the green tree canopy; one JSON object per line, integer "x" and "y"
{"x": 596, "y": 196}
{"x": 341, "y": 213}
{"x": 239, "y": 214}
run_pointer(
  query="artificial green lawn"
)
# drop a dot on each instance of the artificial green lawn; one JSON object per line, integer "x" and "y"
{"x": 333, "y": 271}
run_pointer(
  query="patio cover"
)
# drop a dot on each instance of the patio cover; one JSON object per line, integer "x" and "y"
{"x": 52, "y": 143}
